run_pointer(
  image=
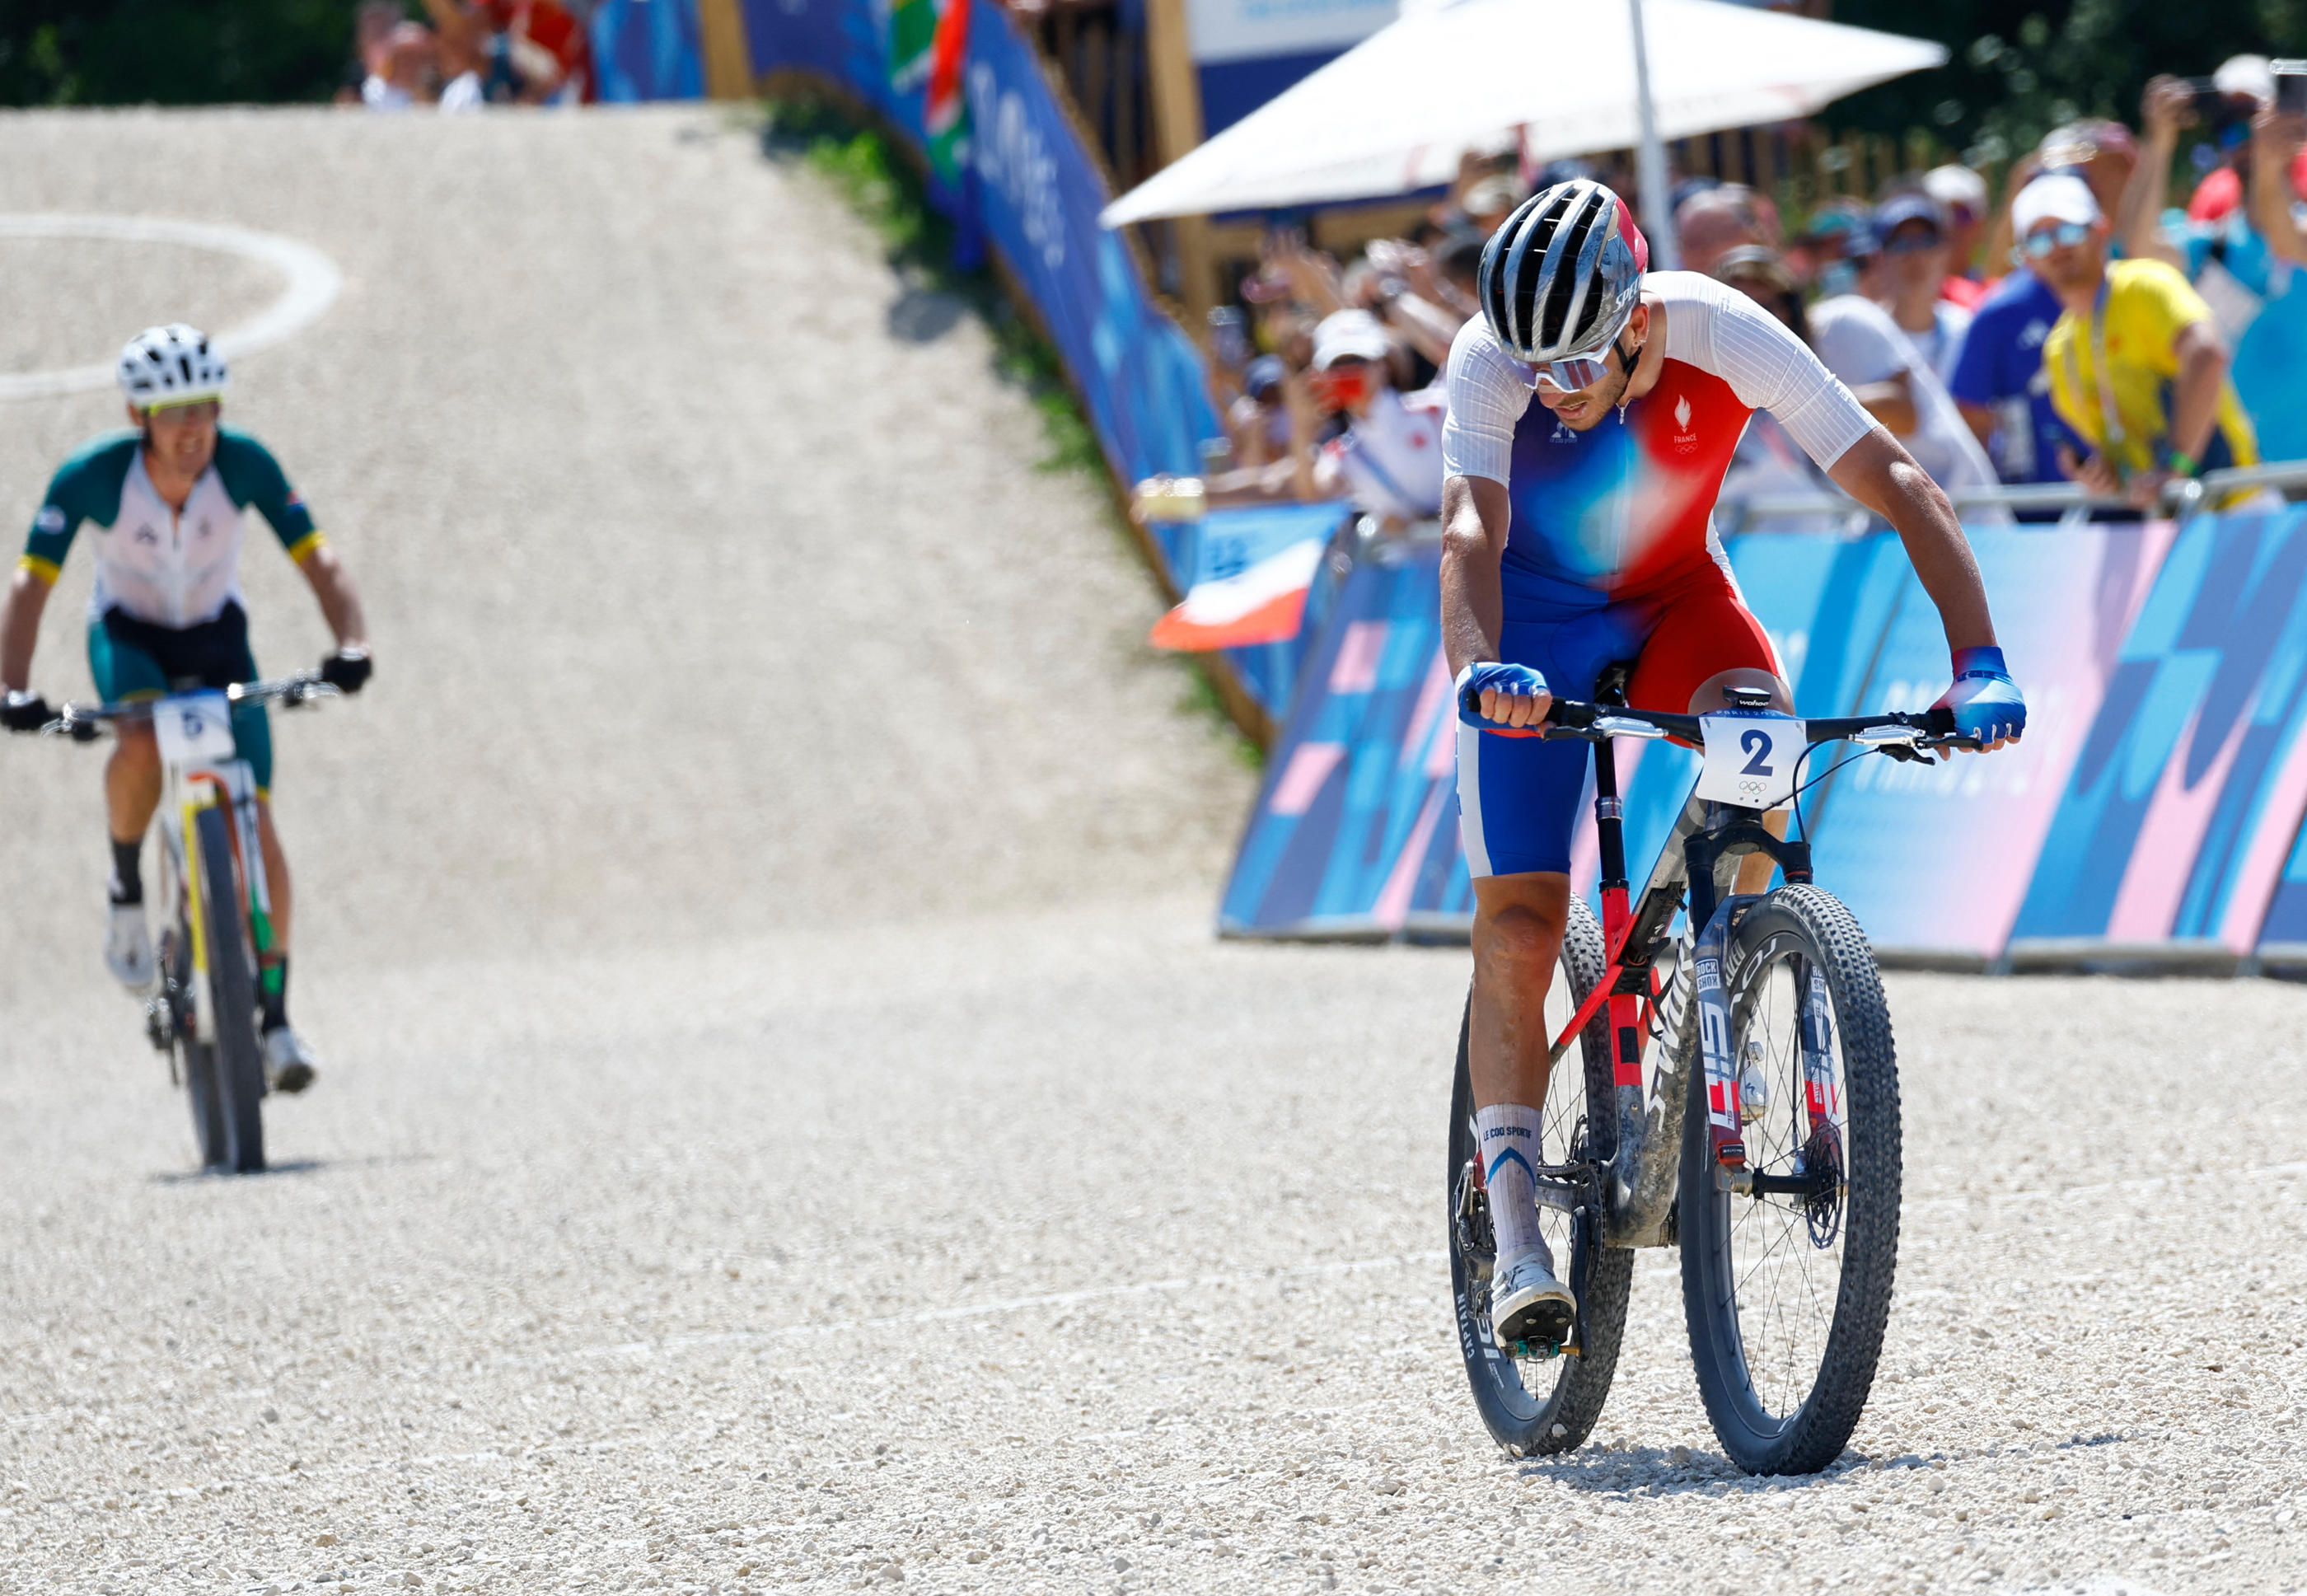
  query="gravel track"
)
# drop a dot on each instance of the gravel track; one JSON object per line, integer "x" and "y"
{"x": 784, "y": 1126}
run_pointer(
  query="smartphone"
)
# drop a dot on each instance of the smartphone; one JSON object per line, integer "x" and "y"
{"x": 1229, "y": 337}
{"x": 2290, "y": 87}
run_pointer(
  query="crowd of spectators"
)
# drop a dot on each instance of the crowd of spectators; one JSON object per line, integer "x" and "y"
{"x": 467, "y": 53}
{"x": 2090, "y": 327}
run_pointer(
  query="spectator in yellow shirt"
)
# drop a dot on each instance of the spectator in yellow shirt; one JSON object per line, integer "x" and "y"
{"x": 2136, "y": 364}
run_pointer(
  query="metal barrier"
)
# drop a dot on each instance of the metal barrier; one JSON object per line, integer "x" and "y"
{"x": 2181, "y": 500}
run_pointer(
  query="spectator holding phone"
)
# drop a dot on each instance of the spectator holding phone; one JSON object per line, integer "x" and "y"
{"x": 1388, "y": 459}
{"x": 1386, "y": 454}
{"x": 2136, "y": 362}
{"x": 2240, "y": 258}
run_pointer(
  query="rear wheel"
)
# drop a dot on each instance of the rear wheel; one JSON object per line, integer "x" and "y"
{"x": 238, "y": 1064}
{"x": 1543, "y": 1403}
{"x": 1786, "y": 1292}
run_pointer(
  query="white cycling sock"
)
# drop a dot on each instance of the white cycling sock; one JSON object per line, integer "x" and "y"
{"x": 1505, "y": 1137}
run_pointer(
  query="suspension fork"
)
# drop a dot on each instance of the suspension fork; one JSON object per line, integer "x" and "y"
{"x": 200, "y": 790}
{"x": 1626, "y": 1022}
{"x": 1821, "y": 1098}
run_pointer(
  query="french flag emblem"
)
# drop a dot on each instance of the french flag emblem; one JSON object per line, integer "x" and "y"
{"x": 1262, "y": 604}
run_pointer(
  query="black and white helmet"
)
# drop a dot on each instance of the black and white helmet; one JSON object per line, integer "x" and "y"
{"x": 1561, "y": 275}
{"x": 171, "y": 366}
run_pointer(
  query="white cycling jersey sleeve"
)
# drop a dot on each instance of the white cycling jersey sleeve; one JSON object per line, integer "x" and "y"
{"x": 1489, "y": 389}
{"x": 1717, "y": 328}
{"x": 1709, "y": 325}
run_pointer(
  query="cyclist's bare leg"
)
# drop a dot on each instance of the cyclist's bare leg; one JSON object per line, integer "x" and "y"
{"x": 132, "y": 781}
{"x": 1754, "y": 870}
{"x": 276, "y": 874}
{"x": 1518, "y": 925}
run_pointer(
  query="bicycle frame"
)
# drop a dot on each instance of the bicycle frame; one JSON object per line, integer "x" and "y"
{"x": 187, "y": 789}
{"x": 200, "y": 768}
{"x": 1699, "y": 862}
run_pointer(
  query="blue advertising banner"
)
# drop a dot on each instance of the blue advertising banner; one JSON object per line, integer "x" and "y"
{"x": 1356, "y": 830}
{"x": 1885, "y": 832}
{"x": 2156, "y": 800}
{"x": 2185, "y": 801}
{"x": 647, "y": 49}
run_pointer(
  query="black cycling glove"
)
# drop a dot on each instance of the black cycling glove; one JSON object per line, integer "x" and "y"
{"x": 25, "y": 712}
{"x": 346, "y": 670}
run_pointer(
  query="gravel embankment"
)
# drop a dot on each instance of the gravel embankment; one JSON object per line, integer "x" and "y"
{"x": 785, "y": 1119}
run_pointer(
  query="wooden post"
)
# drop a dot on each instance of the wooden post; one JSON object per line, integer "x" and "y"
{"x": 728, "y": 61}
{"x": 1177, "y": 95}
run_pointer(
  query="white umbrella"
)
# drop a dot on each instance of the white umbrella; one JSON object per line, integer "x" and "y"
{"x": 1395, "y": 112}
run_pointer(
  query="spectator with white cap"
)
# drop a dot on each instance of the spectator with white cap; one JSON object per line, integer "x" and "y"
{"x": 1998, "y": 380}
{"x": 2137, "y": 365}
{"x": 1388, "y": 459}
{"x": 1961, "y": 194}
{"x": 1385, "y": 455}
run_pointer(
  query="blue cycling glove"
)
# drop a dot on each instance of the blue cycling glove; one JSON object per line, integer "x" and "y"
{"x": 1486, "y": 675}
{"x": 1986, "y": 703}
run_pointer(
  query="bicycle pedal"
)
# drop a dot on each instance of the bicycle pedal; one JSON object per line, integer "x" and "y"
{"x": 1544, "y": 1349}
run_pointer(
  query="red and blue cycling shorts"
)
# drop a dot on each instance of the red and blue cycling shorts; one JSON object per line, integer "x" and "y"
{"x": 1518, "y": 794}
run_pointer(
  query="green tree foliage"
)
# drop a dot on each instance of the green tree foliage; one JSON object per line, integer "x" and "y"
{"x": 172, "y": 52}
{"x": 2021, "y": 67}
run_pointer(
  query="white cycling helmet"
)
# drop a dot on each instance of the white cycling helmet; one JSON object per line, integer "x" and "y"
{"x": 171, "y": 366}
{"x": 1561, "y": 275}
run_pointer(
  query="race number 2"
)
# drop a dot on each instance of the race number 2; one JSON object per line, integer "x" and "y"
{"x": 1751, "y": 758}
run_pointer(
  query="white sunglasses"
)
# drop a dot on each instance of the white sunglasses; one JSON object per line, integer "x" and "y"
{"x": 1580, "y": 371}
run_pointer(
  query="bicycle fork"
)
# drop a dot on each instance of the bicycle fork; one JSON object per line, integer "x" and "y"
{"x": 230, "y": 789}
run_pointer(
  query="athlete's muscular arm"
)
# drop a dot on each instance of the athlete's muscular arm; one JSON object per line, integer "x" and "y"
{"x": 1475, "y": 516}
{"x": 340, "y": 604}
{"x": 1883, "y": 477}
{"x": 19, "y": 627}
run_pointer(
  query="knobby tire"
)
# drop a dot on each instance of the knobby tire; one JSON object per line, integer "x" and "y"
{"x": 1779, "y": 1429}
{"x": 197, "y": 1058}
{"x": 1562, "y": 1414}
{"x": 238, "y": 1063}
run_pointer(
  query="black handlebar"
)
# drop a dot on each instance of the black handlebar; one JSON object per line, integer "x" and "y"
{"x": 82, "y": 723}
{"x": 1570, "y": 719}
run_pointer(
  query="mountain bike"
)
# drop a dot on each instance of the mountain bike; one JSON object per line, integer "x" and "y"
{"x": 1767, "y": 1143}
{"x": 217, "y": 910}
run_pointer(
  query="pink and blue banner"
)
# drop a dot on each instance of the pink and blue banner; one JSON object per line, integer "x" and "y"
{"x": 2184, "y": 799}
{"x": 2156, "y": 800}
{"x": 1355, "y": 833}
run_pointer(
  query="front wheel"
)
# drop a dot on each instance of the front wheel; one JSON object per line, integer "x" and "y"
{"x": 237, "y": 1064}
{"x": 195, "y": 1059}
{"x": 1787, "y": 1288}
{"x": 1543, "y": 1403}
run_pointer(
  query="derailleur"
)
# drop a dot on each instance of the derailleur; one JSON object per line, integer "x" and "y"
{"x": 1477, "y": 1241}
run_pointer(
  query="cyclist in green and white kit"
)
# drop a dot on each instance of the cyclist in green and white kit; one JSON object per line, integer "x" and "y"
{"x": 165, "y": 506}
